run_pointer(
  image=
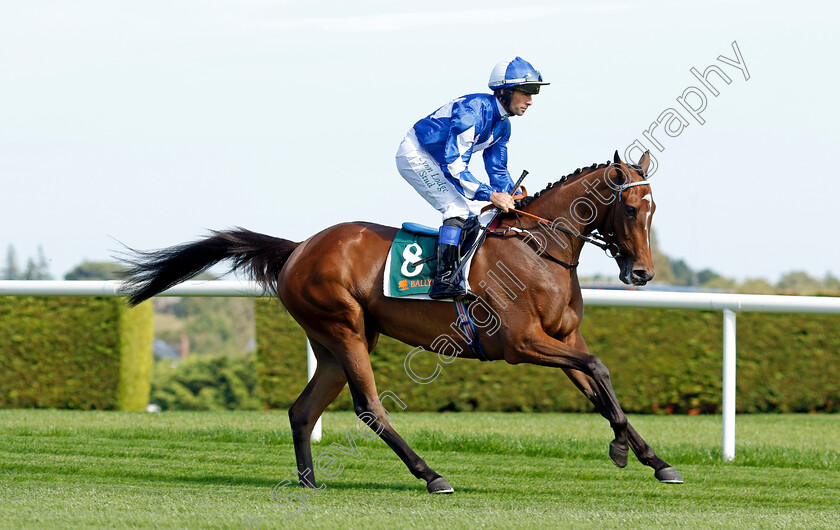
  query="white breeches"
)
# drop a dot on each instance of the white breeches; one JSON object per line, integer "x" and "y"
{"x": 424, "y": 174}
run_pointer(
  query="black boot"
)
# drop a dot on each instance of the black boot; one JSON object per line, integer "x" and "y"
{"x": 445, "y": 284}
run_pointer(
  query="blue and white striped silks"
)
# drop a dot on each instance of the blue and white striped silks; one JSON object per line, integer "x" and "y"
{"x": 467, "y": 125}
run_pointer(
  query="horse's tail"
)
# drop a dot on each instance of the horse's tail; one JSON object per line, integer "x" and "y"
{"x": 260, "y": 256}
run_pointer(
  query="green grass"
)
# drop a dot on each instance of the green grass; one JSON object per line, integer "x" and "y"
{"x": 62, "y": 469}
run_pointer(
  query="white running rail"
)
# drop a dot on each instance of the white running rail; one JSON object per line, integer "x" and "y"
{"x": 729, "y": 304}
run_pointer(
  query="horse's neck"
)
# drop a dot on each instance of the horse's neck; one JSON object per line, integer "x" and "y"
{"x": 580, "y": 204}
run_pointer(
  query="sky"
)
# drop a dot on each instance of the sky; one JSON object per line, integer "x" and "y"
{"x": 149, "y": 123}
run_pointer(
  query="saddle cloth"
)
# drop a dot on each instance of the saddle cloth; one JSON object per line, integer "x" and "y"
{"x": 403, "y": 277}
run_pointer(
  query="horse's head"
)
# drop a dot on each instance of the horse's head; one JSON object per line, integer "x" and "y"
{"x": 609, "y": 205}
{"x": 630, "y": 218}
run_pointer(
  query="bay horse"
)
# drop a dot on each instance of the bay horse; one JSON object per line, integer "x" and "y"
{"x": 332, "y": 285}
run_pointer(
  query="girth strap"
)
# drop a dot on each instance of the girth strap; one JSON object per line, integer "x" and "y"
{"x": 470, "y": 331}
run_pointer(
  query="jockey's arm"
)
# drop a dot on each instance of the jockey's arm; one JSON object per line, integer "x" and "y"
{"x": 495, "y": 163}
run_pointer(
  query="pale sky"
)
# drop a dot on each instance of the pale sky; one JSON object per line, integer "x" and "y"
{"x": 151, "y": 122}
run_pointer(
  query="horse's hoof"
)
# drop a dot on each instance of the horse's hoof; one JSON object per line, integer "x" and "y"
{"x": 668, "y": 475}
{"x": 618, "y": 455}
{"x": 439, "y": 485}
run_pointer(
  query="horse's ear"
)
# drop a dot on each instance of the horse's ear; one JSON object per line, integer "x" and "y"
{"x": 644, "y": 162}
{"x": 616, "y": 158}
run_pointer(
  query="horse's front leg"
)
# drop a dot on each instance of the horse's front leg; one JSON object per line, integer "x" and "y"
{"x": 618, "y": 454}
{"x": 592, "y": 377}
{"x": 542, "y": 349}
{"x": 618, "y": 447}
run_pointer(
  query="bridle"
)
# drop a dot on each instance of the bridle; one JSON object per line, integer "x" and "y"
{"x": 606, "y": 243}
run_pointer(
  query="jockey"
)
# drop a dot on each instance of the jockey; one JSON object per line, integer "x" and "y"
{"x": 434, "y": 155}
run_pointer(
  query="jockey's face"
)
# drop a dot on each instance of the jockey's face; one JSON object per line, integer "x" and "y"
{"x": 519, "y": 102}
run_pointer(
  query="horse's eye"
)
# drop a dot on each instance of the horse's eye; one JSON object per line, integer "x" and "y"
{"x": 630, "y": 211}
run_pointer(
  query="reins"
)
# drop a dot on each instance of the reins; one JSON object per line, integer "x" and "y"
{"x": 596, "y": 239}
{"x": 606, "y": 244}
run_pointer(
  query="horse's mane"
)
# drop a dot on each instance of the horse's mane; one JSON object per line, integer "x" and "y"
{"x": 579, "y": 172}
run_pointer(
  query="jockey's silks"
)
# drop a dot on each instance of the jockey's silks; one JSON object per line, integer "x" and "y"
{"x": 467, "y": 125}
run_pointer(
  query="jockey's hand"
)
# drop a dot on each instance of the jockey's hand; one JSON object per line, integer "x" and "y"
{"x": 502, "y": 201}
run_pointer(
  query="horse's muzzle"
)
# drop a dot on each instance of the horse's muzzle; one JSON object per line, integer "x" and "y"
{"x": 641, "y": 276}
{"x": 633, "y": 276}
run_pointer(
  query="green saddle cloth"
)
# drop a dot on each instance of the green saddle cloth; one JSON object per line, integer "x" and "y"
{"x": 405, "y": 277}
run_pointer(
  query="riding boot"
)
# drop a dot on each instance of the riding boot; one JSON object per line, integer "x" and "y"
{"x": 445, "y": 284}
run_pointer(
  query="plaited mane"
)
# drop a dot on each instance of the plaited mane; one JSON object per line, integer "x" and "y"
{"x": 577, "y": 173}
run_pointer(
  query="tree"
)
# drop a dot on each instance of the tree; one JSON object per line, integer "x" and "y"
{"x": 11, "y": 271}
{"x": 707, "y": 276}
{"x": 217, "y": 325}
{"x": 661, "y": 262}
{"x": 35, "y": 269}
{"x": 831, "y": 284}
{"x": 683, "y": 275}
{"x": 721, "y": 282}
{"x": 38, "y": 270}
{"x": 43, "y": 266}
{"x": 756, "y": 286}
{"x": 95, "y": 270}
{"x": 799, "y": 282}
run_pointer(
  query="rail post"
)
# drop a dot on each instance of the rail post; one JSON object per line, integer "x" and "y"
{"x": 729, "y": 347}
{"x": 311, "y": 365}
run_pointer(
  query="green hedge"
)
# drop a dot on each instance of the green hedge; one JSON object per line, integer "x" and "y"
{"x": 660, "y": 360}
{"x": 206, "y": 382}
{"x": 74, "y": 352}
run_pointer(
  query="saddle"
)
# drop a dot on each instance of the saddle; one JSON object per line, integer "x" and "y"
{"x": 412, "y": 259}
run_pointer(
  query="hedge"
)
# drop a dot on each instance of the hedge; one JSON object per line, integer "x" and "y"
{"x": 660, "y": 360}
{"x": 206, "y": 382}
{"x": 74, "y": 352}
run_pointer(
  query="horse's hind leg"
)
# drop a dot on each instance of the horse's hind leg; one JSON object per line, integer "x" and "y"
{"x": 369, "y": 409}
{"x": 618, "y": 451}
{"x": 322, "y": 390}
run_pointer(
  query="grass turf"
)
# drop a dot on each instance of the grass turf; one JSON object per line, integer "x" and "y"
{"x": 217, "y": 470}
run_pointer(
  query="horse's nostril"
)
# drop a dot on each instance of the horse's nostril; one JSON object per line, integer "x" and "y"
{"x": 641, "y": 274}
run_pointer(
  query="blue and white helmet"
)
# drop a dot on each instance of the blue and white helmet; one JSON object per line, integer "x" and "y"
{"x": 517, "y": 73}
